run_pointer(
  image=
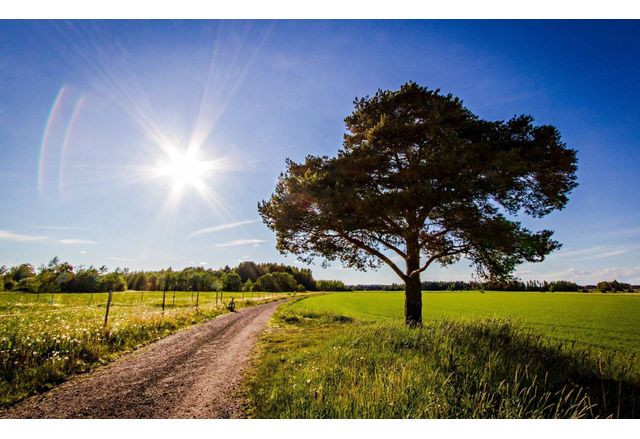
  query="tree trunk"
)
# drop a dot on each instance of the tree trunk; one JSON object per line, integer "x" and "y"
{"x": 413, "y": 290}
{"x": 413, "y": 302}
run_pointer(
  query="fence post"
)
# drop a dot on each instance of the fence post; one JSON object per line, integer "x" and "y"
{"x": 106, "y": 314}
{"x": 197, "y": 299}
{"x": 164, "y": 295}
{"x": 174, "y": 299}
{"x": 142, "y": 296}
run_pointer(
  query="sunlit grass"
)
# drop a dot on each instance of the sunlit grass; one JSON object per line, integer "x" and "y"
{"x": 45, "y": 339}
{"x": 321, "y": 364}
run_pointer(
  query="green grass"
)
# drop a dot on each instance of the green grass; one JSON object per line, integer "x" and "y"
{"x": 44, "y": 341}
{"x": 350, "y": 356}
{"x": 606, "y": 321}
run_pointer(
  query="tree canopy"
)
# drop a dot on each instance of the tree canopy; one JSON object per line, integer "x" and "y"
{"x": 421, "y": 179}
{"x": 276, "y": 281}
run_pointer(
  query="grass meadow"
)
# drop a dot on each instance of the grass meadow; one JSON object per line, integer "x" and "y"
{"x": 46, "y": 338}
{"x": 491, "y": 355}
{"x": 607, "y": 321}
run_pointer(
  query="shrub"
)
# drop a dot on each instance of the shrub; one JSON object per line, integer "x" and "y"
{"x": 563, "y": 285}
{"x": 231, "y": 282}
{"x": 113, "y": 282}
{"x": 277, "y": 281}
{"x": 613, "y": 286}
{"x": 28, "y": 284}
{"x": 331, "y": 285}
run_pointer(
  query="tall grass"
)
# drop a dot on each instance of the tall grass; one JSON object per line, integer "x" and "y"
{"x": 322, "y": 365}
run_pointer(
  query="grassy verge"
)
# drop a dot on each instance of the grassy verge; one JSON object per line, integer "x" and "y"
{"x": 323, "y": 365}
{"x": 43, "y": 347}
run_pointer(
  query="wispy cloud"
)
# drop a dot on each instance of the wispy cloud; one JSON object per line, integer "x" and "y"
{"x": 571, "y": 273}
{"x": 598, "y": 252}
{"x": 6, "y": 235}
{"x": 222, "y": 227}
{"x": 622, "y": 232}
{"x": 119, "y": 259}
{"x": 579, "y": 252}
{"x": 72, "y": 241}
{"x": 56, "y": 227}
{"x": 239, "y": 242}
{"x": 611, "y": 253}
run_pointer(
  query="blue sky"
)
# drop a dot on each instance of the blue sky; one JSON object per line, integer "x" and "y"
{"x": 84, "y": 106}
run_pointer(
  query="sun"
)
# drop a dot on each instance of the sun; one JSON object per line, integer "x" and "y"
{"x": 184, "y": 169}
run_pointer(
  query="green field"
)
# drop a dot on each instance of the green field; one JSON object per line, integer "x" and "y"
{"x": 478, "y": 355}
{"x": 46, "y": 338}
{"x": 608, "y": 321}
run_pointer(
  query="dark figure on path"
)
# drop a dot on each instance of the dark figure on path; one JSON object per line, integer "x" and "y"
{"x": 231, "y": 306}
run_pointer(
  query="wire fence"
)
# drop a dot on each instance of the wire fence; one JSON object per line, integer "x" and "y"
{"x": 32, "y": 305}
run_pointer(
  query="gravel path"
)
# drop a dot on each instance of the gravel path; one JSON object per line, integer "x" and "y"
{"x": 194, "y": 373}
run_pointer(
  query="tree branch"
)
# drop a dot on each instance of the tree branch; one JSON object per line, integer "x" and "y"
{"x": 440, "y": 233}
{"x": 436, "y": 257}
{"x": 390, "y": 246}
{"x": 373, "y": 251}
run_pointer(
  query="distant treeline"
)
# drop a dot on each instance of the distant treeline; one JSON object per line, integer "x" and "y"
{"x": 511, "y": 285}
{"x": 59, "y": 276}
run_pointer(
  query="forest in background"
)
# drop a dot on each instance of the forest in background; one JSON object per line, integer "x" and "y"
{"x": 58, "y": 276}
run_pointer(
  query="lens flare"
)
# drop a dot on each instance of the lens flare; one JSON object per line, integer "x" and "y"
{"x": 183, "y": 166}
{"x": 66, "y": 141}
{"x": 47, "y": 132}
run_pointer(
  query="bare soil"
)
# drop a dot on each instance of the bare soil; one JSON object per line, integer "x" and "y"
{"x": 195, "y": 373}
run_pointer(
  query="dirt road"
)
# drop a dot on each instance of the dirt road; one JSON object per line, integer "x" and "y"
{"x": 194, "y": 373}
